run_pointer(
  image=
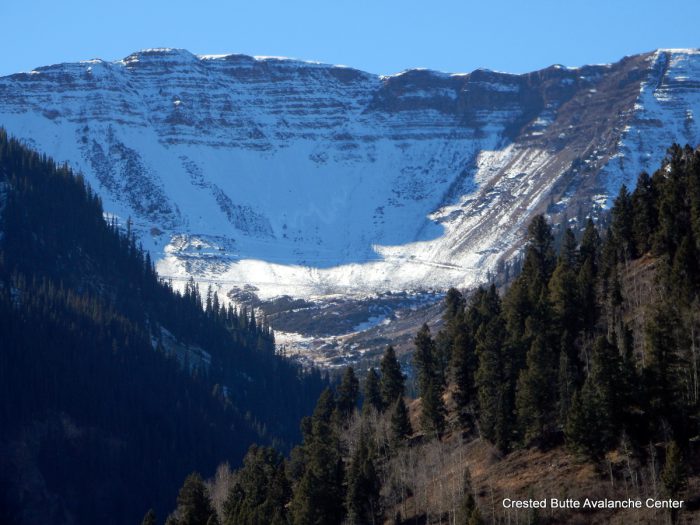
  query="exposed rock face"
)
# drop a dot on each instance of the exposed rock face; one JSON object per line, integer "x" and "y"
{"x": 305, "y": 178}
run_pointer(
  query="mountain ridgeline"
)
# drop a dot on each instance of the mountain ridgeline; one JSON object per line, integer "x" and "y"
{"x": 589, "y": 357}
{"x": 112, "y": 385}
{"x": 309, "y": 179}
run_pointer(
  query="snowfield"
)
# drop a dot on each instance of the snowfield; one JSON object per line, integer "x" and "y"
{"x": 306, "y": 179}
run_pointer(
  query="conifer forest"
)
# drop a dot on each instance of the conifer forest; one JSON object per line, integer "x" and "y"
{"x": 590, "y": 353}
{"x": 577, "y": 376}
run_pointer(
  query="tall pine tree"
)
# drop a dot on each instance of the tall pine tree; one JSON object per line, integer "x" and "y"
{"x": 400, "y": 424}
{"x": 318, "y": 496}
{"x": 347, "y": 393}
{"x": 536, "y": 393}
{"x": 363, "y": 485}
{"x": 372, "y": 394}
{"x": 392, "y": 380}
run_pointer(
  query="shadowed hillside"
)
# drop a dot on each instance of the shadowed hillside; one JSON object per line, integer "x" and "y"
{"x": 112, "y": 385}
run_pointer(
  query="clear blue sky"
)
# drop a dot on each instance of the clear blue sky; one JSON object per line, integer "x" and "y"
{"x": 380, "y": 36}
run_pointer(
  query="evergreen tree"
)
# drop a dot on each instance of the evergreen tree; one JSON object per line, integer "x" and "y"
{"x": 684, "y": 272}
{"x": 424, "y": 359}
{"x": 454, "y": 308}
{"x": 628, "y": 386}
{"x": 193, "y": 503}
{"x": 568, "y": 253}
{"x": 400, "y": 423}
{"x": 363, "y": 486}
{"x": 578, "y": 429}
{"x": 347, "y": 393}
{"x": 595, "y": 415}
{"x": 535, "y": 397}
{"x": 517, "y": 311}
{"x": 372, "y": 394}
{"x": 590, "y": 243}
{"x": 463, "y": 370}
{"x": 526, "y": 308}
{"x": 453, "y": 319}
{"x": 484, "y": 307}
{"x": 433, "y": 410}
{"x": 587, "y": 277}
{"x": 261, "y": 491}
{"x": 604, "y": 381}
{"x": 563, "y": 291}
{"x": 587, "y": 296}
{"x": 673, "y": 214}
{"x": 539, "y": 257}
{"x": 490, "y": 383}
{"x": 392, "y": 380}
{"x": 614, "y": 301}
{"x": 318, "y": 496}
{"x": 622, "y": 225}
{"x": 608, "y": 259}
{"x": 644, "y": 214}
{"x": 662, "y": 363}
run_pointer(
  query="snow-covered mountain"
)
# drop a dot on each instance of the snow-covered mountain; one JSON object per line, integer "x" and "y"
{"x": 305, "y": 179}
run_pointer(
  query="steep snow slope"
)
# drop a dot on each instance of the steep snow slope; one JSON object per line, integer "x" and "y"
{"x": 308, "y": 179}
